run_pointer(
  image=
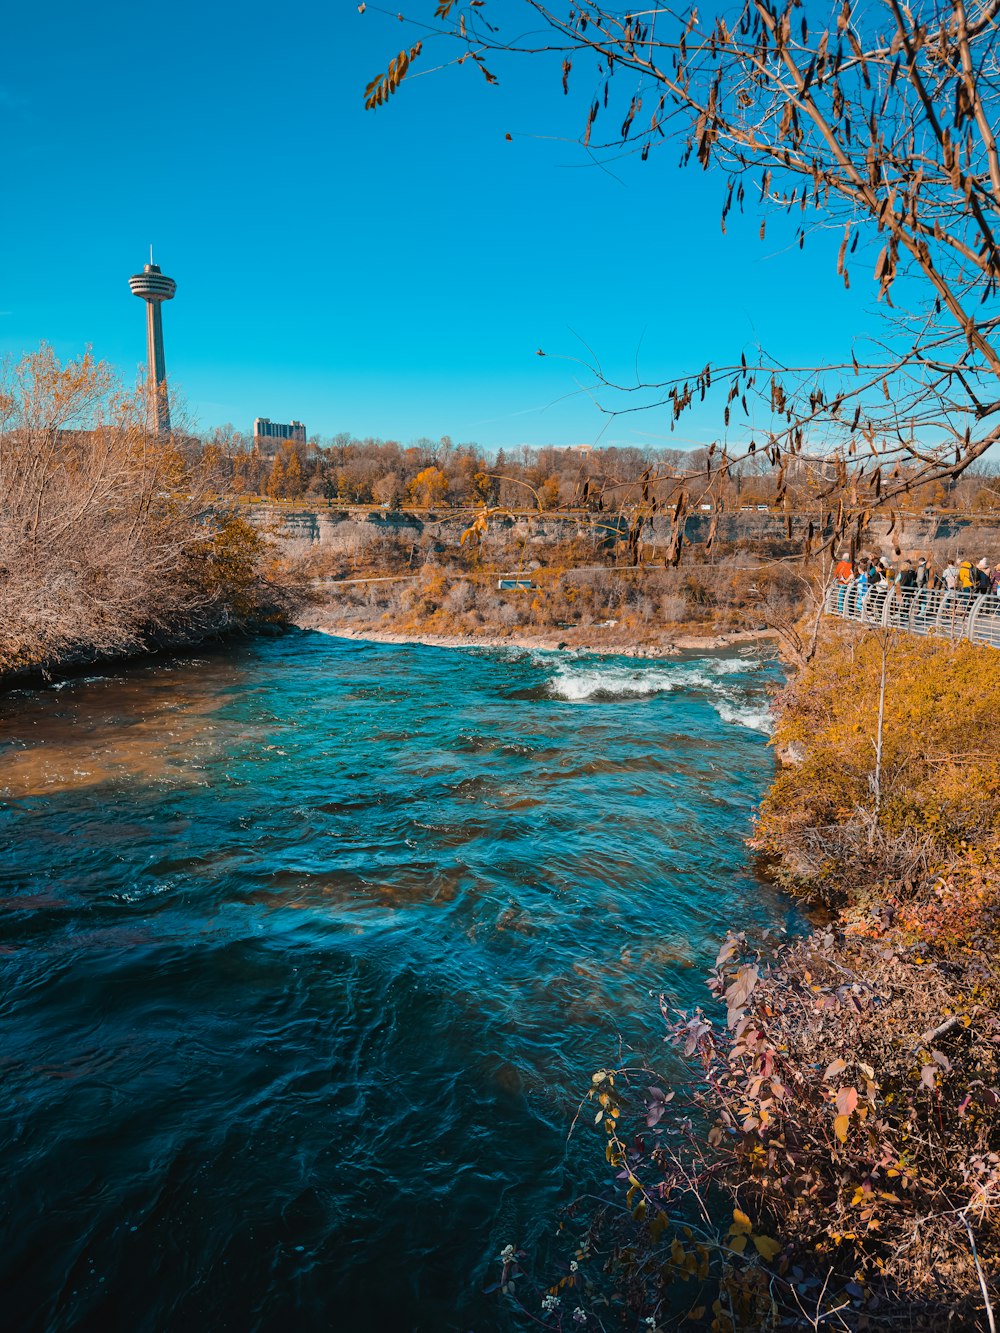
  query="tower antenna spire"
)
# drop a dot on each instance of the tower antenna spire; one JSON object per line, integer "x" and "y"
{"x": 151, "y": 252}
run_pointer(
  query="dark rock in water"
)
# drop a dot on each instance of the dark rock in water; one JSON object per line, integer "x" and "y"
{"x": 508, "y": 1079}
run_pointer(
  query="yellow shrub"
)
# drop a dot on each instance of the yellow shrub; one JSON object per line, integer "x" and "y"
{"x": 940, "y": 771}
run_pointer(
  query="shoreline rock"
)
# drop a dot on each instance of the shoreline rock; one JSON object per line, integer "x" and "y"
{"x": 665, "y": 647}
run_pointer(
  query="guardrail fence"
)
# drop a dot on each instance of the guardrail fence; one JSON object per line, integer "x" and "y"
{"x": 939, "y": 611}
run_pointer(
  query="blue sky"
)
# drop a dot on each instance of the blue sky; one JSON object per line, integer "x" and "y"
{"x": 387, "y": 273}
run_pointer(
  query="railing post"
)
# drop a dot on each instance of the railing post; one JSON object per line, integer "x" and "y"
{"x": 918, "y": 609}
{"x": 947, "y": 595}
{"x": 970, "y": 626}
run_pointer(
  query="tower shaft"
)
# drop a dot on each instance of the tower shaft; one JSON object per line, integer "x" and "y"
{"x": 156, "y": 383}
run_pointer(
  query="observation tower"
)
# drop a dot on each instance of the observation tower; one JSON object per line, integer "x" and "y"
{"x": 154, "y": 287}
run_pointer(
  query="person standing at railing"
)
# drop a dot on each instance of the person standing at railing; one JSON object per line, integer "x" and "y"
{"x": 968, "y": 578}
{"x": 857, "y": 596}
{"x": 949, "y": 575}
{"x": 983, "y": 576}
{"x": 906, "y": 580}
{"x": 843, "y": 571}
{"x": 995, "y": 581}
{"x": 903, "y": 588}
{"x": 926, "y": 578}
{"x": 880, "y": 582}
{"x": 873, "y": 574}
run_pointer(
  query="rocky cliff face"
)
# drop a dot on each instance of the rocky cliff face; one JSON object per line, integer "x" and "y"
{"x": 302, "y": 529}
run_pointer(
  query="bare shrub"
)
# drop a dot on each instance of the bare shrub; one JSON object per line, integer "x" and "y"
{"x": 459, "y": 597}
{"x": 111, "y": 540}
{"x": 674, "y": 608}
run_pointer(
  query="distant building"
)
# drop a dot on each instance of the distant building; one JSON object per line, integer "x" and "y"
{"x": 269, "y": 436}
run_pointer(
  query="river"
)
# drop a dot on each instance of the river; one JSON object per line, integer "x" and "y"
{"x": 310, "y": 948}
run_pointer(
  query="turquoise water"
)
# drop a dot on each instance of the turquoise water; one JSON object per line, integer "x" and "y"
{"x": 309, "y": 951}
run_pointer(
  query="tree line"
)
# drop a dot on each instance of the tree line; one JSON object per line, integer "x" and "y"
{"x": 347, "y": 470}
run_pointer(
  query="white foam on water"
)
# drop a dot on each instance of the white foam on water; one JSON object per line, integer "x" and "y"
{"x": 579, "y": 684}
{"x": 755, "y": 717}
{"x": 604, "y": 681}
{"x": 727, "y": 666}
{"x": 75, "y": 680}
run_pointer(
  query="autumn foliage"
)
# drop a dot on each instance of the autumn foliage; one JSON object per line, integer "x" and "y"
{"x": 940, "y": 806}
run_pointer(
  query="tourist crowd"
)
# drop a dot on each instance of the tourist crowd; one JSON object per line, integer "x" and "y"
{"x": 957, "y": 575}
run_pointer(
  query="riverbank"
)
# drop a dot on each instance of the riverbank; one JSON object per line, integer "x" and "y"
{"x": 82, "y": 665}
{"x": 577, "y": 639}
{"x": 843, "y": 1104}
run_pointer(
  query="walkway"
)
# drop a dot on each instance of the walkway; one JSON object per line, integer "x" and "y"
{"x": 950, "y": 615}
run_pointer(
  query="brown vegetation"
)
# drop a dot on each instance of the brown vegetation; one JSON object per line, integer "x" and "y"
{"x": 576, "y": 588}
{"x": 343, "y": 470}
{"x": 112, "y": 541}
{"x": 834, "y": 1163}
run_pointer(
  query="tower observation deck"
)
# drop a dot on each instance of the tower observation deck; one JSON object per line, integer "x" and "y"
{"x": 154, "y": 287}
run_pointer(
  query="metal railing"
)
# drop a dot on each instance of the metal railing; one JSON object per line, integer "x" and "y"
{"x": 958, "y": 614}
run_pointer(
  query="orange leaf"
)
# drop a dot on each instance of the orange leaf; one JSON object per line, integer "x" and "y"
{"x": 847, "y": 1100}
{"x": 767, "y": 1248}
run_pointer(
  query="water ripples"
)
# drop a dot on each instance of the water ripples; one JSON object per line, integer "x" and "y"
{"x": 309, "y": 950}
